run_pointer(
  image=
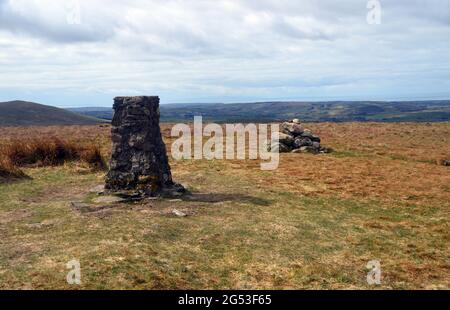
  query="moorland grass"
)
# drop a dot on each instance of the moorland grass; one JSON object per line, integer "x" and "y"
{"x": 314, "y": 223}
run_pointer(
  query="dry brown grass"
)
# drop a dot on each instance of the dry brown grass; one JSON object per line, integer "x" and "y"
{"x": 403, "y": 141}
{"x": 362, "y": 178}
{"x": 40, "y": 152}
{"x": 401, "y": 161}
{"x": 50, "y": 146}
{"x": 80, "y": 134}
{"x": 93, "y": 157}
{"x": 372, "y": 161}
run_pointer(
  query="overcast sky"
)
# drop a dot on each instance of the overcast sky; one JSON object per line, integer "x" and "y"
{"x": 222, "y": 50}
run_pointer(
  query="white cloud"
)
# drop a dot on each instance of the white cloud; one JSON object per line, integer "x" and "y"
{"x": 224, "y": 50}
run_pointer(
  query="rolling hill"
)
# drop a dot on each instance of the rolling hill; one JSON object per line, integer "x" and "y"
{"x": 337, "y": 111}
{"x": 22, "y": 113}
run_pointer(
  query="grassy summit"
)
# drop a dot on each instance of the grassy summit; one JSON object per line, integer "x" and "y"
{"x": 314, "y": 223}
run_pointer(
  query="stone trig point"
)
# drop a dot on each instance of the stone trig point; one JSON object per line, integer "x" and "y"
{"x": 139, "y": 160}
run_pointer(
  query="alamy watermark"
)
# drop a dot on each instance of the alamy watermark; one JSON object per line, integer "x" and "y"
{"x": 73, "y": 12}
{"x": 374, "y": 275}
{"x": 227, "y": 142}
{"x": 374, "y": 14}
{"x": 74, "y": 275}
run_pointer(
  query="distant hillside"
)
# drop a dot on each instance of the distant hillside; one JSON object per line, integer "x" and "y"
{"x": 337, "y": 111}
{"x": 22, "y": 113}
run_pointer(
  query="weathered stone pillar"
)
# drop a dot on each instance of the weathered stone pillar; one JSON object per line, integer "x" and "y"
{"x": 139, "y": 160}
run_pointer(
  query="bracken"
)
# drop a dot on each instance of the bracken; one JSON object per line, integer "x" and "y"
{"x": 51, "y": 152}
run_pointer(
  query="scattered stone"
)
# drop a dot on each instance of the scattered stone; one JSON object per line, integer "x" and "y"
{"x": 129, "y": 196}
{"x": 307, "y": 134}
{"x": 296, "y": 139}
{"x": 109, "y": 200}
{"x": 316, "y": 139}
{"x": 279, "y": 148}
{"x": 300, "y": 142}
{"x": 179, "y": 213}
{"x": 292, "y": 129}
{"x": 286, "y": 139}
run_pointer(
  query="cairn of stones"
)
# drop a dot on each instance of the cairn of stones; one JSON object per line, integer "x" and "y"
{"x": 139, "y": 161}
{"x": 294, "y": 138}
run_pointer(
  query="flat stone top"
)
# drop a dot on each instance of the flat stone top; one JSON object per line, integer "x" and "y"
{"x": 150, "y": 101}
{"x": 136, "y": 98}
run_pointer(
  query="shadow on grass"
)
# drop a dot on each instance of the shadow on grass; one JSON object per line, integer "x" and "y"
{"x": 7, "y": 180}
{"x": 218, "y": 197}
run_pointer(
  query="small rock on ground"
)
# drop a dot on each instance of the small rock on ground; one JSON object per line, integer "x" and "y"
{"x": 100, "y": 189}
{"x": 179, "y": 213}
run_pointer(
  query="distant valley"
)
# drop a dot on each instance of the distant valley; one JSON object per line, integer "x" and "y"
{"x": 22, "y": 113}
{"x": 337, "y": 111}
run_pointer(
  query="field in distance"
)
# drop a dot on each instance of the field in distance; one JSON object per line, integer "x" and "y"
{"x": 336, "y": 111}
{"x": 314, "y": 223}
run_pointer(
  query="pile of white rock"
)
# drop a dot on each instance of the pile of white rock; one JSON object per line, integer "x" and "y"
{"x": 294, "y": 138}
